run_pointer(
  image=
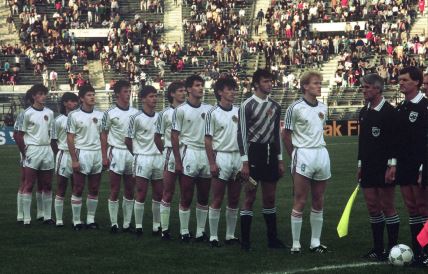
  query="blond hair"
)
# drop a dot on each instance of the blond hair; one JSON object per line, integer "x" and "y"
{"x": 306, "y": 77}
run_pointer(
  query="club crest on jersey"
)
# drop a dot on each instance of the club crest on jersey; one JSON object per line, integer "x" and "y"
{"x": 413, "y": 116}
{"x": 269, "y": 112}
{"x": 321, "y": 115}
{"x": 95, "y": 120}
{"x": 375, "y": 131}
{"x": 235, "y": 118}
{"x": 46, "y": 118}
{"x": 203, "y": 115}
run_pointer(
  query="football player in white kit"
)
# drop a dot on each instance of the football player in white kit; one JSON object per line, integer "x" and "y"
{"x": 221, "y": 145}
{"x": 304, "y": 142}
{"x": 64, "y": 172}
{"x": 116, "y": 156}
{"x": 148, "y": 161}
{"x": 34, "y": 140}
{"x": 20, "y": 213}
{"x": 191, "y": 160}
{"x": 176, "y": 94}
{"x": 84, "y": 145}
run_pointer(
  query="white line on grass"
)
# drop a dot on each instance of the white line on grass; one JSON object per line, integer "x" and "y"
{"x": 330, "y": 267}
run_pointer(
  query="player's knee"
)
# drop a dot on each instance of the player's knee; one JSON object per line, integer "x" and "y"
{"x": 203, "y": 200}
{"x": 233, "y": 203}
{"x": 299, "y": 204}
{"x": 114, "y": 196}
{"x": 93, "y": 192}
{"x": 185, "y": 204}
{"x": 216, "y": 203}
{"x": 318, "y": 203}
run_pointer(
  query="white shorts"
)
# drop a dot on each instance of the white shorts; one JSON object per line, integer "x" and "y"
{"x": 229, "y": 164}
{"x": 121, "y": 160}
{"x": 195, "y": 162}
{"x": 169, "y": 160}
{"x": 90, "y": 161}
{"x": 313, "y": 163}
{"x": 63, "y": 164}
{"x": 148, "y": 166}
{"x": 39, "y": 157}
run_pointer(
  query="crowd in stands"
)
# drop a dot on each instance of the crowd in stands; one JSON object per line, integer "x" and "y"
{"x": 385, "y": 46}
{"x": 48, "y": 37}
{"x": 220, "y": 33}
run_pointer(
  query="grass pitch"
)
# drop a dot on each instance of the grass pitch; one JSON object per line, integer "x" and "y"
{"x": 42, "y": 249}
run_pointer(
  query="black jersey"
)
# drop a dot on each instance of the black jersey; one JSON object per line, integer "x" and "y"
{"x": 376, "y": 140}
{"x": 412, "y": 135}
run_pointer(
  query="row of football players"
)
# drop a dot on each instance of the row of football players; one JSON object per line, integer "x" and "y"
{"x": 198, "y": 144}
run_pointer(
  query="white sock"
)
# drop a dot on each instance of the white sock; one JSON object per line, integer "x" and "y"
{"x": 201, "y": 219}
{"x": 113, "y": 208}
{"x": 231, "y": 218}
{"x": 213, "y": 219}
{"x": 20, "y": 212}
{"x": 39, "y": 200}
{"x": 156, "y": 215}
{"x": 76, "y": 206}
{"x": 165, "y": 211}
{"x": 47, "y": 205}
{"x": 26, "y": 207}
{"x": 59, "y": 208}
{"x": 296, "y": 227}
{"x": 127, "y": 208}
{"x": 316, "y": 227}
{"x": 91, "y": 205}
{"x": 184, "y": 221}
{"x": 138, "y": 213}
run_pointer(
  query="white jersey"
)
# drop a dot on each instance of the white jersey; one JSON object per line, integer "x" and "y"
{"x": 86, "y": 126}
{"x": 306, "y": 122}
{"x": 142, "y": 130}
{"x": 222, "y": 125}
{"x": 164, "y": 125}
{"x": 115, "y": 121}
{"x": 17, "y": 121}
{"x": 190, "y": 122}
{"x": 37, "y": 125}
{"x": 59, "y": 131}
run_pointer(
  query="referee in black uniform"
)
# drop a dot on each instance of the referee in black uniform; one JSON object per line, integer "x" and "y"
{"x": 375, "y": 146}
{"x": 411, "y": 154}
{"x": 260, "y": 148}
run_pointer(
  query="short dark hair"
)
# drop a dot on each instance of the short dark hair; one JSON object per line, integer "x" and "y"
{"x": 35, "y": 89}
{"x": 259, "y": 73}
{"x": 414, "y": 73}
{"x": 85, "y": 89}
{"x": 191, "y": 79}
{"x": 68, "y": 96}
{"x": 119, "y": 85}
{"x": 373, "y": 79}
{"x": 221, "y": 83}
{"x": 172, "y": 88}
{"x": 146, "y": 90}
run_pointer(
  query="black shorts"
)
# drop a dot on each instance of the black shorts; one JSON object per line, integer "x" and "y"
{"x": 407, "y": 173}
{"x": 374, "y": 177}
{"x": 263, "y": 161}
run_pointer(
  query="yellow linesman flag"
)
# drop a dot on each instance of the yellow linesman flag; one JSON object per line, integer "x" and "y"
{"x": 342, "y": 227}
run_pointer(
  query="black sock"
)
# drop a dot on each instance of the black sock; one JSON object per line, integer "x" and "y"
{"x": 392, "y": 227}
{"x": 378, "y": 226}
{"x": 246, "y": 218}
{"x": 269, "y": 215}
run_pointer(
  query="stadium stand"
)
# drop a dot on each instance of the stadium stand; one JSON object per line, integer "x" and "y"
{"x": 219, "y": 37}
